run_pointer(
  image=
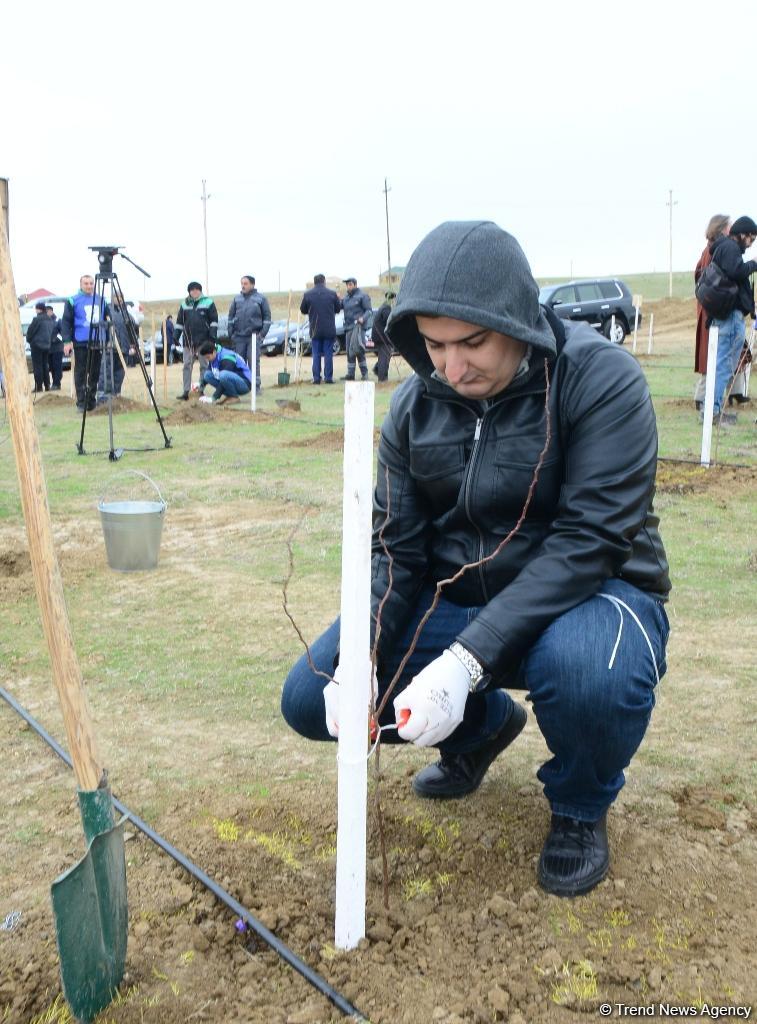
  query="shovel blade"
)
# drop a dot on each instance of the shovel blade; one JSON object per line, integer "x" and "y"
{"x": 91, "y": 921}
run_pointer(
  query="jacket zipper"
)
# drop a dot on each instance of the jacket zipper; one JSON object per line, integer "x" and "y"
{"x": 468, "y": 480}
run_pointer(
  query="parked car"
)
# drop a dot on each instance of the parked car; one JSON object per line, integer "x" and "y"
{"x": 273, "y": 343}
{"x": 137, "y": 311}
{"x": 222, "y": 338}
{"x": 339, "y": 343}
{"x": 594, "y": 301}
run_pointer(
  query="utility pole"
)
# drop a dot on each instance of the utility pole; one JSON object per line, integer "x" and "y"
{"x": 386, "y": 190}
{"x": 671, "y": 204}
{"x": 205, "y": 196}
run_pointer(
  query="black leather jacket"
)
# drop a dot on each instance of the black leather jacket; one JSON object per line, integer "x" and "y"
{"x": 459, "y": 473}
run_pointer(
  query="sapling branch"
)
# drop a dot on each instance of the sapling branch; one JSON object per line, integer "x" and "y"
{"x": 376, "y": 712}
{"x": 482, "y": 561}
{"x": 285, "y": 595}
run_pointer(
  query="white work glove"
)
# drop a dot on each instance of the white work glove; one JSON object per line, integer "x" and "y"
{"x": 331, "y": 700}
{"x": 434, "y": 700}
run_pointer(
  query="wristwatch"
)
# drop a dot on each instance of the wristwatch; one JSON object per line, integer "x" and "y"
{"x": 478, "y": 676}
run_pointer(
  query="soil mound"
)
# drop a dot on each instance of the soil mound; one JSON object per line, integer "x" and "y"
{"x": 690, "y": 477}
{"x": 120, "y": 404}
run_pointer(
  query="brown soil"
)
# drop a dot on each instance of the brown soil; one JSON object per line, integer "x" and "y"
{"x": 197, "y": 412}
{"x": 468, "y": 935}
{"x": 721, "y": 481}
{"x": 329, "y": 440}
{"x": 120, "y": 405}
{"x": 671, "y": 313}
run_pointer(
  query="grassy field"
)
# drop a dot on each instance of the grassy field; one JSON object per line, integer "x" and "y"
{"x": 184, "y": 667}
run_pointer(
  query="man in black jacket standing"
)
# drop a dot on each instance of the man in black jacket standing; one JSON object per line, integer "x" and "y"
{"x": 320, "y": 304}
{"x": 56, "y": 351}
{"x": 381, "y": 344}
{"x": 516, "y": 471}
{"x": 197, "y": 320}
{"x": 39, "y": 335}
{"x": 728, "y": 253}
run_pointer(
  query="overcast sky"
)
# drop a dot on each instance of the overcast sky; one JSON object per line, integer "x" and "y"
{"x": 566, "y": 124}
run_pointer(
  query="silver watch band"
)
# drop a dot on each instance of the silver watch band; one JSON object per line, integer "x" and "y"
{"x": 473, "y": 666}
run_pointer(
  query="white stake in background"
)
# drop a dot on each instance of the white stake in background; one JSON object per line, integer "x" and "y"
{"x": 355, "y": 661}
{"x": 651, "y": 334}
{"x": 636, "y": 308}
{"x": 709, "y": 395}
{"x": 612, "y": 328}
{"x": 254, "y": 369}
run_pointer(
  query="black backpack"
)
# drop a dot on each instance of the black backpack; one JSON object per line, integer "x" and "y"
{"x": 715, "y": 292}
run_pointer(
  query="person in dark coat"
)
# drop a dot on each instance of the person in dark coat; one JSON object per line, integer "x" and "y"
{"x": 196, "y": 322}
{"x": 320, "y": 304}
{"x": 169, "y": 342}
{"x": 249, "y": 318}
{"x": 501, "y": 480}
{"x": 112, "y": 369}
{"x": 39, "y": 335}
{"x": 727, "y": 252}
{"x": 56, "y": 351}
{"x": 381, "y": 344}
{"x": 356, "y": 305}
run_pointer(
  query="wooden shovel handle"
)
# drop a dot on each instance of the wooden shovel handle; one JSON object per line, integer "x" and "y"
{"x": 47, "y": 579}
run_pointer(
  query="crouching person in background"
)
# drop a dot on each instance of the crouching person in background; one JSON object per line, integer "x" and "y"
{"x": 227, "y": 372}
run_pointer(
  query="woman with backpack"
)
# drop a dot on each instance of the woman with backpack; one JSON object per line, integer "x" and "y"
{"x": 719, "y": 225}
{"x": 728, "y": 300}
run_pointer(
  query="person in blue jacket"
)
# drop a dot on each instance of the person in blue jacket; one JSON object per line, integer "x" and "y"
{"x": 227, "y": 372}
{"x": 83, "y": 315}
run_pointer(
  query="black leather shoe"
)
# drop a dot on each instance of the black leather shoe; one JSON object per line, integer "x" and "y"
{"x": 347, "y": 377}
{"x": 575, "y": 856}
{"x": 456, "y": 775}
{"x": 183, "y": 397}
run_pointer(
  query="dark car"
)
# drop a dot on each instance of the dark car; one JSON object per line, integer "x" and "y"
{"x": 596, "y": 301}
{"x": 339, "y": 342}
{"x": 273, "y": 343}
{"x": 222, "y": 337}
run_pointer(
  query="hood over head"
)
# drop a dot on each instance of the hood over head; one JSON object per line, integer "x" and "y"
{"x": 472, "y": 271}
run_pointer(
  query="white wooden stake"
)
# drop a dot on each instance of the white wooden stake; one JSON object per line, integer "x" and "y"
{"x": 254, "y": 372}
{"x": 709, "y": 395}
{"x": 612, "y": 328}
{"x": 635, "y": 325}
{"x": 354, "y": 658}
{"x": 152, "y": 364}
{"x": 651, "y": 334}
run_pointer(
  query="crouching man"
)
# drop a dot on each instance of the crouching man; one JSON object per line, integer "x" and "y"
{"x": 524, "y": 447}
{"x": 227, "y": 372}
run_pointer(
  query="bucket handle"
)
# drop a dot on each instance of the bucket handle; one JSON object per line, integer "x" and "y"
{"x": 136, "y": 472}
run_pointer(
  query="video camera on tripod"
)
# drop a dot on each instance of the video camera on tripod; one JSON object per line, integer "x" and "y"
{"x": 96, "y": 343}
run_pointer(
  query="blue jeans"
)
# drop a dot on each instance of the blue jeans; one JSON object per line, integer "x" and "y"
{"x": 243, "y": 347}
{"x": 731, "y": 334}
{"x": 226, "y": 383}
{"x": 323, "y": 347}
{"x": 590, "y": 677}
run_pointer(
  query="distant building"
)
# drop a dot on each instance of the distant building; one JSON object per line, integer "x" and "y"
{"x": 40, "y": 293}
{"x": 391, "y": 278}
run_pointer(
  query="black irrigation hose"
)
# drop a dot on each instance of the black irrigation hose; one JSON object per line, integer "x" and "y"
{"x": 269, "y": 938}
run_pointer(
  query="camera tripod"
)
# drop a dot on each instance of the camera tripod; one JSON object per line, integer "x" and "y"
{"x": 102, "y": 341}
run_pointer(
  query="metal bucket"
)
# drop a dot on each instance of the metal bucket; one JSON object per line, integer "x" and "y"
{"x": 132, "y": 532}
